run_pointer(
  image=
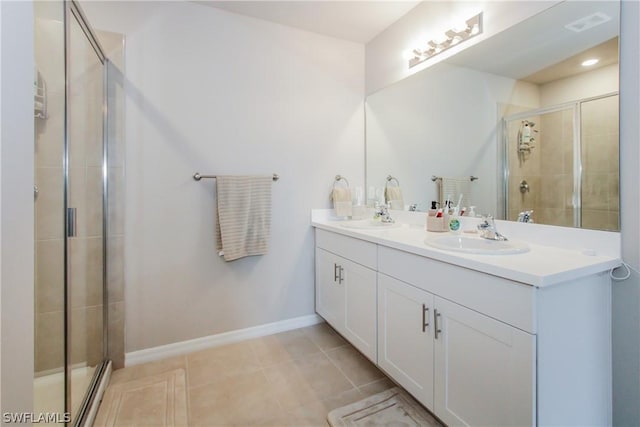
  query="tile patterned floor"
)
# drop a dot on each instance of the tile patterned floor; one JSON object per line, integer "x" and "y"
{"x": 289, "y": 379}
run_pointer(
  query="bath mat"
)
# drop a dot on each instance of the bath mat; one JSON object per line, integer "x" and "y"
{"x": 158, "y": 400}
{"x": 393, "y": 407}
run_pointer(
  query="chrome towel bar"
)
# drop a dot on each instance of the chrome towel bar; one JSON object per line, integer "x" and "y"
{"x": 435, "y": 178}
{"x": 198, "y": 177}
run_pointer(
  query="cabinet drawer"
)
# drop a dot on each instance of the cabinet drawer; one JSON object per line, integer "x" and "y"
{"x": 507, "y": 301}
{"x": 364, "y": 253}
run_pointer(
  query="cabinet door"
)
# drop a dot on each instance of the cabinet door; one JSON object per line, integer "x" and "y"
{"x": 484, "y": 369}
{"x": 329, "y": 292}
{"x": 405, "y": 342}
{"x": 360, "y": 293}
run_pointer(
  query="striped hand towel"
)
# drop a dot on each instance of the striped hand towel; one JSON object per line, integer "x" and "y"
{"x": 454, "y": 186}
{"x": 244, "y": 215}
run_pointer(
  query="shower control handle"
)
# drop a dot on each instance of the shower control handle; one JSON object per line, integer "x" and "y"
{"x": 524, "y": 186}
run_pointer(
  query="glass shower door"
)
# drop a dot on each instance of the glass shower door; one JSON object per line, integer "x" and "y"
{"x": 85, "y": 222}
{"x": 600, "y": 163}
{"x": 566, "y": 169}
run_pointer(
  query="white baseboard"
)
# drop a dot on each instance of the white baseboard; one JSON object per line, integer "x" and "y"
{"x": 184, "y": 347}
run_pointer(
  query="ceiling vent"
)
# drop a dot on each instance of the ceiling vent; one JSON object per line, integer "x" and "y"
{"x": 588, "y": 22}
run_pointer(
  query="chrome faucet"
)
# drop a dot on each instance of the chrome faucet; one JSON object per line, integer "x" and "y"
{"x": 525, "y": 216}
{"x": 488, "y": 229}
{"x": 382, "y": 212}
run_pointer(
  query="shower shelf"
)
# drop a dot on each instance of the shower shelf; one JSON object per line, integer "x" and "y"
{"x": 39, "y": 96}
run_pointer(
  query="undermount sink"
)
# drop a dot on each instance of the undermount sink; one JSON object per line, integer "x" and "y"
{"x": 369, "y": 224}
{"x": 477, "y": 245}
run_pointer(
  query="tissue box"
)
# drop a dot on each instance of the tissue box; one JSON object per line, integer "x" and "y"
{"x": 438, "y": 224}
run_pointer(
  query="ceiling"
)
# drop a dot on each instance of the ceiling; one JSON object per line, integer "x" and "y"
{"x": 357, "y": 21}
{"x": 542, "y": 48}
{"x": 606, "y": 53}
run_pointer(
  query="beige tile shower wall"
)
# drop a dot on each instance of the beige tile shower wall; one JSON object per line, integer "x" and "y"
{"x": 555, "y": 150}
{"x": 526, "y": 166}
{"x": 600, "y": 164}
{"x": 113, "y": 44}
{"x": 49, "y": 245}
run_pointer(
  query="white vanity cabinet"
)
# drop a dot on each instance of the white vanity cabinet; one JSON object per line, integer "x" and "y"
{"x": 484, "y": 372}
{"x": 475, "y": 348}
{"x": 346, "y": 294}
{"x": 467, "y": 367}
{"x": 405, "y": 336}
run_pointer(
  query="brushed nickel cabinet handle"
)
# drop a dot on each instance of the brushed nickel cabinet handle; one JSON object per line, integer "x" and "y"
{"x": 340, "y": 274}
{"x": 425, "y": 317}
{"x": 436, "y": 328}
{"x": 335, "y": 272}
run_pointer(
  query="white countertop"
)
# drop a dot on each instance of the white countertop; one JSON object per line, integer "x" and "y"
{"x": 541, "y": 266}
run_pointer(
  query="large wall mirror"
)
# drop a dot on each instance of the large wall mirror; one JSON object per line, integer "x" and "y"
{"x": 520, "y": 112}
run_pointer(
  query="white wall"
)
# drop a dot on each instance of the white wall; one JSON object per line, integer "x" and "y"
{"x": 626, "y": 295}
{"x": 443, "y": 121}
{"x": 17, "y": 240}
{"x": 219, "y": 93}
{"x": 384, "y": 54}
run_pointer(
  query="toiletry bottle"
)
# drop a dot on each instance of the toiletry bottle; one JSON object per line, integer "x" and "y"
{"x": 454, "y": 222}
{"x": 472, "y": 211}
{"x": 434, "y": 208}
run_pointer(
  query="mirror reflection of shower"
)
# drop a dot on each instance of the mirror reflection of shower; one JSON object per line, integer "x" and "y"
{"x": 526, "y": 139}
{"x": 570, "y": 177}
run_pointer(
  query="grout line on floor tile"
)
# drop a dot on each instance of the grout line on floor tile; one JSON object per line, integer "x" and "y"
{"x": 264, "y": 374}
{"x": 341, "y": 371}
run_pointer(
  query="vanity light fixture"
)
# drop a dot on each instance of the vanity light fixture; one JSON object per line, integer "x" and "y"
{"x": 456, "y": 35}
{"x": 590, "y": 62}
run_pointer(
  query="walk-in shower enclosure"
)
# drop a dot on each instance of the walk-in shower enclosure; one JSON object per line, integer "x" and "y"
{"x": 562, "y": 163}
{"x": 70, "y": 196}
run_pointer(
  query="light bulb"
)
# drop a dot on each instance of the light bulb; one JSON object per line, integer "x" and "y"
{"x": 408, "y": 54}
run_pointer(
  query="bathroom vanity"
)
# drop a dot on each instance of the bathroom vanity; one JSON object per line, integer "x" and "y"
{"x": 522, "y": 339}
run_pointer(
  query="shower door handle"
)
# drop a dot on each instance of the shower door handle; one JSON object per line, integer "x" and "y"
{"x": 71, "y": 222}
